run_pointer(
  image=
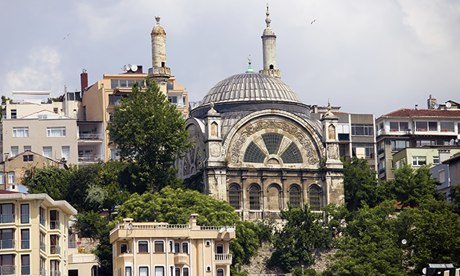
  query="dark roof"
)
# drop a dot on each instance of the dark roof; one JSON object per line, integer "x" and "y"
{"x": 405, "y": 112}
{"x": 2, "y": 192}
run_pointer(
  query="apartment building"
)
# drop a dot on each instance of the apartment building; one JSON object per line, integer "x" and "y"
{"x": 33, "y": 234}
{"x": 409, "y": 128}
{"x": 152, "y": 248}
{"x": 356, "y": 134}
{"x": 100, "y": 99}
{"x": 447, "y": 174}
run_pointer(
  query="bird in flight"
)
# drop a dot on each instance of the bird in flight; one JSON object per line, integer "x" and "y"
{"x": 314, "y": 20}
{"x": 66, "y": 36}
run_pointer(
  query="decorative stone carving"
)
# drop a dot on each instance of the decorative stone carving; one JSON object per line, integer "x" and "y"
{"x": 253, "y": 127}
{"x": 333, "y": 151}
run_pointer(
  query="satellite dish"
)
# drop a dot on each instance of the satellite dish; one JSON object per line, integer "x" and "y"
{"x": 125, "y": 68}
{"x": 230, "y": 229}
{"x": 134, "y": 67}
{"x": 448, "y": 105}
{"x": 404, "y": 241}
{"x": 128, "y": 67}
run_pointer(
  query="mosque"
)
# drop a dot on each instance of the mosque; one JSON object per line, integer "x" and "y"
{"x": 256, "y": 146}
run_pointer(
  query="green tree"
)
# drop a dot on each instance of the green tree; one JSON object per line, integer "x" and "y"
{"x": 455, "y": 196}
{"x": 412, "y": 186}
{"x": 149, "y": 130}
{"x": 302, "y": 233}
{"x": 370, "y": 244}
{"x": 50, "y": 180}
{"x": 90, "y": 224}
{"x": 361, "y": 184}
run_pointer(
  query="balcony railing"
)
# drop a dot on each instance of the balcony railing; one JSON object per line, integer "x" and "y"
{"x": 5, "y": 244}
{"x": 54, "y": 224}
{"x": 55, "y": 249}
{"x": 7, "y": 270}
{"x": 8, "y": 218}
{"x": 90, "y": 136}
{"x": 89, "y": 158}
{"x": 227, "y": 258}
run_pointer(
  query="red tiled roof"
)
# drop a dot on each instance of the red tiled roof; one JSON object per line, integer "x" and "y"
{"x": 2, "y": 192}
{"x": 405, "y": 112}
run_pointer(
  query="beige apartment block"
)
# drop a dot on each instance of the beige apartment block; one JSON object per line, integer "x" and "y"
{"x": 152, "y": 248}
{"x": 34, "y": 233}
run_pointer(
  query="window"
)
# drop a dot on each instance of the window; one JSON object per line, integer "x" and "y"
{"x": 54, "y": 244}
{"x": 6, "y": 213}
{"x": 42, "y": 216}
{"x": 27, "y": 148}
{"x": 28, "y": 158}
{"x": 24, "y": 213}
{"x": 55, "y": 131}
{"x": 54, "y": 219}
{"x": 292, "y": 154}
{"x": 368, "y": 149}
{"x": 6, "y": 238}
{"x": 128, "y": 271}
{"x": 315, "y": 197}
{"x": 185, "y": 271}
{"x": 123, "y": 248}
{"x": 2, "y": 179}
{"x": 14, "y": 151}
{"x": 177, "y": 271}
{"x": 219, "y": 248}
{"x": 20, "y": 132}
{"x": 442, "y": 176}
{"x": 272, "y": 142}
{"x": 25, "y": 264}
{"x": 13, "y": 113}
{"x": 421, "y": 126}
{"x": 159, "y": 246}
{"x": 176, "y": 247}
{"x": 25, "y": 238}
{"x": 172, "y": 99}
{"x": 7, "y": 264}
{"x": 54, "y": 267}
{"x": 397, "y": 145}
{"x": 432, "y": 126}
{"x": 254, "y": 197}
{"x": 185, "y": 247}
{"x": 418, "y": 160}
{"x": 65, "y": 152}
{"x": 48, "y": 152}
{"x": 362, "y": 129}
{"x": 436, "y": 160}
{"x": 143, "y": 246}
{"x": 234, "y": 196}
{"x": 399, "y": 126}
{"x": 220, "y": 272}
{"x": 447, "y": 127}
{"x": 295, "y": 196}
{"x": 159, "y": 271}
{"x": 254, "y": 154}
{"x": 11, "y": 178}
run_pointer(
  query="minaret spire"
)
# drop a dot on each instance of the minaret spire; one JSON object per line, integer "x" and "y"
{"x": 269, "y": 49}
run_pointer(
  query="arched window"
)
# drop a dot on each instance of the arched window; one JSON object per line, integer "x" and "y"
{"x": 295, "y": 196}
{"x": 254, "y": 197}
{"x": 315, "y": 197}
{"x": 292, "y": 154}
{"x": 274, "y": 197}
{"x": 234, "y": 196}
{"x": 220, "y": 272}
{"x": 254, "y": 154}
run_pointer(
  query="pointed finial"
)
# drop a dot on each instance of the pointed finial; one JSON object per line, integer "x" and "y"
{"x": 157, "y": 18}
{"x": 328, "y": 104}
{"x": 250, "y": 70}
{"x": 268, "y": 20}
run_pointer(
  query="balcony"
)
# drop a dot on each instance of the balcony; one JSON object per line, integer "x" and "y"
{"x": 180, "y": 259}
{"x": 7, "y": 244}
{"x": 223, "y": 259}
{"x": 89, "y": 158}
{"x": 7, "y": 270}
{"x": 90, "y": 136}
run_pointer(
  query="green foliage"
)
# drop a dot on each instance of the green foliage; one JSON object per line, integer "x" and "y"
{"x": 361, "y": 184}
{"x": 455, "y": 196}
{"x": 90, "y": 224}
{"x": 149, "y": 130}
{"x": 246, "y": 243}
{"x": 103, "y": 250}
{"x": 412, "y": 186}
{"x": 50, "y": 180}
{"x": 303, "y": 272}
{"x": 302, "y": 234}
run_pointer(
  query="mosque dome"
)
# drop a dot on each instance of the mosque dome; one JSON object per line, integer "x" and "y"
{"x": 250, "y": 87}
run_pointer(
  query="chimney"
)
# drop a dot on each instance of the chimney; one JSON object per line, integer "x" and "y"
{"x": 83, "y": 80}
{"x": 192, "y": 221}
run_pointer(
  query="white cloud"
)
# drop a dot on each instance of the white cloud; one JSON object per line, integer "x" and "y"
{"x": 41, "y": 71}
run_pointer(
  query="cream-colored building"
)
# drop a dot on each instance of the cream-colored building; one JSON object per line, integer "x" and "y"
{"x": 34, "y": 233}
{"x": 101, "y": 98}
{"x": 35, "y": 237}
{"x": 160, "y": 249}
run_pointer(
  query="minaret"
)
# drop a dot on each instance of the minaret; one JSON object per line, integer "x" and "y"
{"x": 269, "y": 50}
{"x": 158, "y": 36}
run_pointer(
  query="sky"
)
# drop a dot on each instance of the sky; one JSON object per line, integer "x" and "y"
{"x": 367, "y": 56}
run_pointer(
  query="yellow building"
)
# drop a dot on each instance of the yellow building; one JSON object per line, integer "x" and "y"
{"x": 34, "y": 236}
{"x": 152, "y": 248}
{"x": 100, "y": 99}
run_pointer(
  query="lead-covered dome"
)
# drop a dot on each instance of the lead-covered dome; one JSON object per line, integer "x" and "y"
{"x": 250, "y": 87}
